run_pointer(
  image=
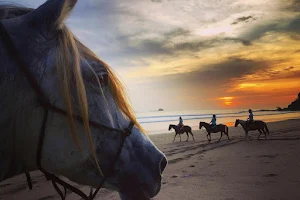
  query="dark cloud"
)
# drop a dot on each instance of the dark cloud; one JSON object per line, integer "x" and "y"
{"x": 290, "y": 27}
{"x": 293, "y": 5}
{"x": 153, "y": 47}
{"x": 260, "y": 31}
{"x": 177, "y": 32}
{"x": 269, "y": 73}
{"x": 211, "y": 81}
{"x": 243, "y": 19}
{"x": 289, "y": 68}
{"x": 244, "y": 42}
{"x": 294, "y": 25}
{"x": 219, "y": 74}
{"x": 193, "y": 46}
{"x": 297, "y": 51}
{"x": 190, "y": 46}
{"x": 164, "y": 46}
{"x": 290, "y": 74}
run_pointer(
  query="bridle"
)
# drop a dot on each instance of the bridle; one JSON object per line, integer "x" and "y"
{"x": 46, "y": 104}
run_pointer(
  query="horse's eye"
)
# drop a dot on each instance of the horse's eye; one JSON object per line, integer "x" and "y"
{"x": 103, "y": 79}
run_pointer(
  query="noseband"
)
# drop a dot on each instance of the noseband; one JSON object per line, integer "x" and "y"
{"x": 46, "y": 104}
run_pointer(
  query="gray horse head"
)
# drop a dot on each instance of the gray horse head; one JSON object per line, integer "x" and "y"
{"x": 74, "y": 80}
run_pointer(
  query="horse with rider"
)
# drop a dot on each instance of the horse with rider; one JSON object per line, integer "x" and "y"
{"x": 212, "y": 127}
{"x": 252, "y": 125}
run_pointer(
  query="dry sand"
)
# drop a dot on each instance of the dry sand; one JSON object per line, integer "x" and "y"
{"x": 229, "y": 170}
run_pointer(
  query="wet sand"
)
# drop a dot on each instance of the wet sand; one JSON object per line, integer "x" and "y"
{"x": 228, "y": 170}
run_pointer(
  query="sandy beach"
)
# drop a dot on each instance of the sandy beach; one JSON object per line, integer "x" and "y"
{"x": 228, "y": 170}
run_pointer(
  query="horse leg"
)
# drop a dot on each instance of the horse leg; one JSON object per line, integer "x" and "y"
{"x": 207, "y": 137}
{"x": 227, "y": 136}
{"x": 174, "y": 137}
{"x": 246, "y": 135}
{"x": 226, "y": 132}
{"x": 221, "y": 136}
{"x": 180, "y": 136}
{"x": 187, "y": 134}
{"x": 259, "y": 133}
{"x": 192, "y": 135}
{"x": 264, "y": 133}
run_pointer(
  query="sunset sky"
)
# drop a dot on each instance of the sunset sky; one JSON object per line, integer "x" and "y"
{"x": 196, "y": 54}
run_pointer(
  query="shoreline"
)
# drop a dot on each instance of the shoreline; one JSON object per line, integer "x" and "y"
{"x": 159, "y": 138}
{"x": 229, "y": 124}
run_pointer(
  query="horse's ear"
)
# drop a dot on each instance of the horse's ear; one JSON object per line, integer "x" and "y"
{"x": 52, "y": 14}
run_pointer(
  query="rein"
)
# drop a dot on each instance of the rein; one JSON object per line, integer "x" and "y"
{"x": 46, "y": 104}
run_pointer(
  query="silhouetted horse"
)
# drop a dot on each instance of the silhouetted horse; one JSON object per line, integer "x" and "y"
{"x": 255, "y": 125}
{"x": 184, "y": 129}
{"x": 218, "y": 128}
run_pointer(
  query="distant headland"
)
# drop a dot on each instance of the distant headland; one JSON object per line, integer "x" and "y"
{"x": 294, "y": 106}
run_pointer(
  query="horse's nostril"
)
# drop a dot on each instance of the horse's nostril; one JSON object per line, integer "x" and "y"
{"x": 163, "y": 164}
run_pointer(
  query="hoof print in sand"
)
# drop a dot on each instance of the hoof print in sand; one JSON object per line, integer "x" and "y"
{"x": 5, "y": 185}
{"x": 174, "y": 176}
{"x": 268, "y": 156}
{"x": 192, "y": 166}
{"x": 270, "y": 175}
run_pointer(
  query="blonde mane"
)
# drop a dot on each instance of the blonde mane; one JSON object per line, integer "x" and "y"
{"x": 69, "y": 47}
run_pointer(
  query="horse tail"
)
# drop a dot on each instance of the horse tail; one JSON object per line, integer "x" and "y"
{"x": 226, "y": 130}
{"x": 266, "y": 127}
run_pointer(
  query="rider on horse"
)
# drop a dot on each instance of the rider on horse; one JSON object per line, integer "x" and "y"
{"x": 250, "y": 120}
{"x": 213, "y": 122}
{"x": 180, "y": 125}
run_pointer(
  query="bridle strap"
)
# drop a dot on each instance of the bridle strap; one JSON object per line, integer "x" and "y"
{"x": 45, "y": 103}
{"x": 126, "y": 133}
{"x": 62, "y": 195}
{"x": 56, "y": 109}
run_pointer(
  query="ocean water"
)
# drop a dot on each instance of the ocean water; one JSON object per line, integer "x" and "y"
{"x": 158, "y": 121}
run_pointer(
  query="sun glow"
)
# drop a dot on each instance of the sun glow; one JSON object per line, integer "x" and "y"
{"x": 228, "y": 103}
{"x": 226, "y": 100}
